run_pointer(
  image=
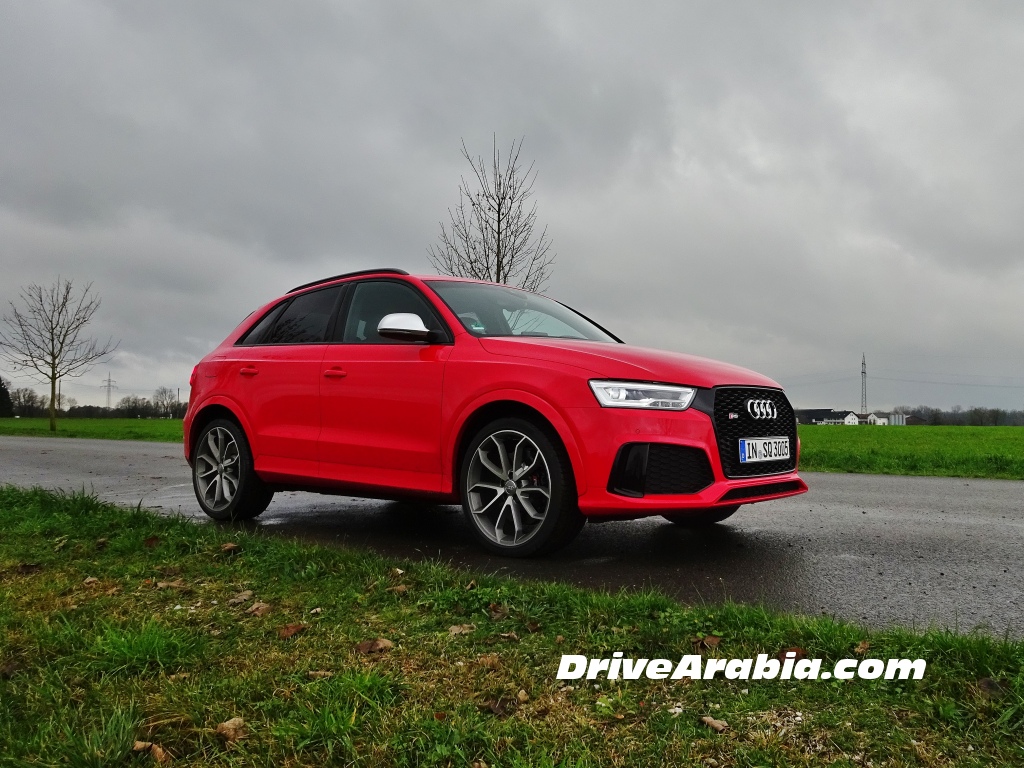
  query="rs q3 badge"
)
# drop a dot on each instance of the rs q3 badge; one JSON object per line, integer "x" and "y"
{"x": 762, "y": 409}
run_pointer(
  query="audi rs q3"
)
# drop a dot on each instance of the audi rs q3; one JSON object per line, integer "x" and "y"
{"x": 530, "y": 415}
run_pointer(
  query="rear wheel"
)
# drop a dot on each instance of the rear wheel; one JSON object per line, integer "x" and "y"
{"x": 699, "y": 518}
{"x": 223, "y": 476}
{"x": 518, "y": 491}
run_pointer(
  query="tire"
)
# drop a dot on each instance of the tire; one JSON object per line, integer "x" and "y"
{"x": 223, "y": 476}
{"x": 513, "y": 512}
{"x": 701, "y": 518}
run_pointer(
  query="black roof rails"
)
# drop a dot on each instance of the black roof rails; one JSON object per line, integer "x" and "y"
{"x": 382, "y": 271}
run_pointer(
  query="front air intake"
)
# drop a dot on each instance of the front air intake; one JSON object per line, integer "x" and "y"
{"x": 642, "y": 469}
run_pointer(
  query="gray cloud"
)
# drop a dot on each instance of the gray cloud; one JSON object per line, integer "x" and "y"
{"x": 780, "y": 186}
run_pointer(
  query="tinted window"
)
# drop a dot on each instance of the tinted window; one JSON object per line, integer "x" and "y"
{"x": 305, "y": 319}
{"x": 494, "y": 310}
{"x": 375, "y": 299}
{"x": 256, "y": 334}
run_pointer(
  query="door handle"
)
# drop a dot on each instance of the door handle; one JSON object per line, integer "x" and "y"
{"x": 335, "y": 373}
{"x": 248, "y": 371}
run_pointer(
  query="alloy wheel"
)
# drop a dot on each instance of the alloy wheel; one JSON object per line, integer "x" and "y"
{"x": 217, "y": 469}
{"x": 508, "y": 488}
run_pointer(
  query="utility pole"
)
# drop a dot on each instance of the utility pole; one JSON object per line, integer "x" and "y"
{"x": 109, "y": 384}
{"x": 863, "y": 384}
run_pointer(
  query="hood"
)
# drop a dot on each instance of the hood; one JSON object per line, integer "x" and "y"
{"x": 622, "y": 361}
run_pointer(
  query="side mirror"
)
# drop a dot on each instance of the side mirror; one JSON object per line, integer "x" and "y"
{"x": 404, "y": 326}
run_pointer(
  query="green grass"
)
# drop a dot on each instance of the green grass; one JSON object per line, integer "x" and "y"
{"x": 116, "y": 626}
{"x": 993, "y": 452}
{"x": 159, "y": 430}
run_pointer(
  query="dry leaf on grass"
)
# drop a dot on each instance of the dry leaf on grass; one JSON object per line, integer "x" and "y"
{"x": 559, "y": 639}
{"x": 401, "y": 589}
{"x": 707, "y": 642}
{"x": 717, "y": 725}
{"x": 510, "y": 636}
{"x": 291, "y": 630}
{"x": 316, "y": 611}
{"x": 176, "y": 584}
{"x": 112, "y": 591}
{"x": 523, "y": 696}
{"x": 862, "y": 647}
{"x": 179, "y": 676}
{"x": 489, "y": 661}
{"x": 501, "y": 706}
{"x": 532, "y": 626}
{"x": 241, "y": 597}
{"x": 92, "y": 581}
{"x": 159, "y": 753}
{"x": 232, "y": 730}
{"x": 471, "y": 585}
{"x": 229, "y": 548}
{"x": 498, "y": 612}
{"x": 319, "y": 674}
{"x": 799, "y": 653}
{"x": 461, "y": 629}
{"x": 440, "y": 716}
{"x": 151, "y": 542}
{"x": 379, "y": 645}
{"x": 259, "y": 609}
{"x": 102, "y": 543}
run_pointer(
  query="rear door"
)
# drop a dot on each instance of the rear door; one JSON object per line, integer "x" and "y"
{"x": 380, "y": 398}
{"x": 276, "y": 380}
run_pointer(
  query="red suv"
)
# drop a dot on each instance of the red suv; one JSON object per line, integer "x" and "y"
{"x": 533, "y": 417}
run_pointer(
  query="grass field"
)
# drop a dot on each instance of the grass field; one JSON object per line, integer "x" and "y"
{"x": 160, "y": 430}
{"x": 118, "y": 626}
{"x": 994, "y": 452}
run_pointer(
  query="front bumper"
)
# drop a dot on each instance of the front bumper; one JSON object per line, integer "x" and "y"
{"x": 604, "y": 431}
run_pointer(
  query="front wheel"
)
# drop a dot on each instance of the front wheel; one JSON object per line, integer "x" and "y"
{"x": 223, "y": 476}
{"x": 700, "y": 518}
{"x": 518, "y": 491}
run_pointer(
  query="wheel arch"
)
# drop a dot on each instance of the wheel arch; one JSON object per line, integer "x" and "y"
{"x": 530, "y": 408}
{"x": 217, "y": 409}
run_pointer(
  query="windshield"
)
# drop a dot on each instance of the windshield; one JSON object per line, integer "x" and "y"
{"x": 496, "y": 310}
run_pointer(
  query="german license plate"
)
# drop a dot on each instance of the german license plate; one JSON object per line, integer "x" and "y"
{"x": 763, "y": 449}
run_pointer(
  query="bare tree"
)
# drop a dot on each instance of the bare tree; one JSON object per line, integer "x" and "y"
{"x": 493, "y": 233}
{"x": 164, "y": 399}
{"x": 46, "y": 336}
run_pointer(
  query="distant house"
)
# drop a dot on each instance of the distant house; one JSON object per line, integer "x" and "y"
{"x": 849, "y": 418}
{"x": 825, "y": 416}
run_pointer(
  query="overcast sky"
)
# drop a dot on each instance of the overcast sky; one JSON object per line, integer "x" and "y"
{"x": 784, "y": 186}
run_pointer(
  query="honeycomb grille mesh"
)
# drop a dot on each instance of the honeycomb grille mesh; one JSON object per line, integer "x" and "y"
{"x": 677, "y": 469}
{"x": 733, "y": 422}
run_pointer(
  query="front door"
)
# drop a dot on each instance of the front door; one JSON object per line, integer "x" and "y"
{"x": 380, "y": 398}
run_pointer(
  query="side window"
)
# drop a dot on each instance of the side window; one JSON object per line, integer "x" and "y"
{"x": 258, "y": 332}
{"x": 372, "y": 300}
{"x": 305, "y": 319}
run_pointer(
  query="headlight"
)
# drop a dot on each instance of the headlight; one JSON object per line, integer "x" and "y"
{"x": 628, "y": 394}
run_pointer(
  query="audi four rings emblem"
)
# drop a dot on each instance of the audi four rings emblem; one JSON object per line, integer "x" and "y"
{"x": 762, "y": 409}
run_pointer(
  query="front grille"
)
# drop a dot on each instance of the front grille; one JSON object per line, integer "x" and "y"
{"x": 733, "y": 421}
{"x": 768, "y": 489}
{"x": 659, "y": 469}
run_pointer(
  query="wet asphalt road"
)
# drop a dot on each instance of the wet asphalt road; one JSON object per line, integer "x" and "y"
{"x": 876, "y": 549}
